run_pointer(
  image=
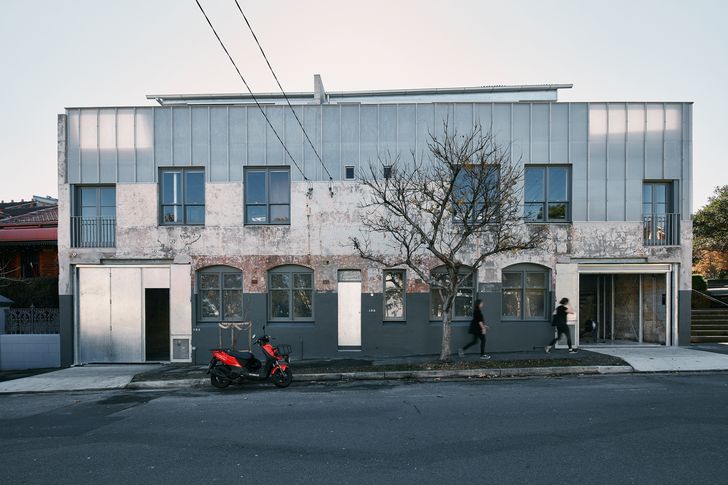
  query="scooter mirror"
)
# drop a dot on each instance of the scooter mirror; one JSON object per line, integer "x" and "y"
{"x": 253, "y": 337}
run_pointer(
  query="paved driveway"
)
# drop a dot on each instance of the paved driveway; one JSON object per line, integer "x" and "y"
{"x": 667, "y": 359}
{"x": 94, "y": 377}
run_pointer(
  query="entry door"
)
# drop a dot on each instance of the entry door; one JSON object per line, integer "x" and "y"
{"x": 349, "y": 304}
{"x": 94, "y": 315}
{"x": 110, "y": 309}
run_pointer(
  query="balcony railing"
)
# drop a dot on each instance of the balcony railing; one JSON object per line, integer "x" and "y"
{"x": 661, "y": 229}
{"x": 93, "y": 232}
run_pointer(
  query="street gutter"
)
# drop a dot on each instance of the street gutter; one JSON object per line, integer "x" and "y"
{"x": 417, "y": 374}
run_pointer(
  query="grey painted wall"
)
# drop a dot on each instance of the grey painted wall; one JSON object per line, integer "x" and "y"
{"x": 612, "y": 147}
{"x": 418, "y": 335}
{"x": 66, "y": 316}
{"x": 684, "y": 316}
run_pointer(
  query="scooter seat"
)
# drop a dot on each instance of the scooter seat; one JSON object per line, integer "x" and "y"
{"x": 241, "y": 356}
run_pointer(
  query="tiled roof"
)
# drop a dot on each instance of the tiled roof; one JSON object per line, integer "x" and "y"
{"x": 44, "y": 215}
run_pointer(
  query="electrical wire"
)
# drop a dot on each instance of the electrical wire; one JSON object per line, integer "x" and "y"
{"x": 249, "y": 90}
{"x": 282, "y": 90}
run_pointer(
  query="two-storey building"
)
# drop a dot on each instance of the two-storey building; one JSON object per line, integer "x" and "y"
{"x": 176, "y": 217}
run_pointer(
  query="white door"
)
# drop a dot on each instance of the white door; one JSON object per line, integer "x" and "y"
{"x": 94, "y": 315}
{"x": 567, "y": 286}
{"x": 110, "y": 323}
{"x": 349, "y": 303}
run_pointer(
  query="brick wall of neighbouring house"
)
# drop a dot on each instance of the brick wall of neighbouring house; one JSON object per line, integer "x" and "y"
{"x": 49, "y": 262}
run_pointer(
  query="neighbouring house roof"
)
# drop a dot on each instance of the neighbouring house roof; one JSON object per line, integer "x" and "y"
{"x": 40, "y": 216}
{"x": 17, "y": 208}
{"x": 28, "y": 234}
{"x": 37, "y": 223}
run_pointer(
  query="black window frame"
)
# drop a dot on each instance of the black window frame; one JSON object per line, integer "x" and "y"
{"x": 403, "y": 291}
{"x": 291, "y": 270}
{"x": 523, "y": 271}
{"x": 97, "y": 230}
{"x": 455, "y": 193}
{"x": 268, "y": 203}
{"x": 546, "y": 202}
{"x": 184, "y": 171}
{"x": 220, "y": 272}
{"x": 346, "y": 172}
{"x": 473, "y": 295}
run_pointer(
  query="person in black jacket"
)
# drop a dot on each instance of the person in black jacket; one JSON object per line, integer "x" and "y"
{"x": 560, "y": 317}
{"x": 477, "y": 330}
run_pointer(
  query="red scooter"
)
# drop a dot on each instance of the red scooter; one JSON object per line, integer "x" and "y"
{"x": 228, "y": 366}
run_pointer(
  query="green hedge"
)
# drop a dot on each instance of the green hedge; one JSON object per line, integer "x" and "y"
{"x": 699, "y": 283}
{"x": 40, "y": 292}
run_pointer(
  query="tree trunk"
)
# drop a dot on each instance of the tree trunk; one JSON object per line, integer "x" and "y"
{"x": 447, "y": 310}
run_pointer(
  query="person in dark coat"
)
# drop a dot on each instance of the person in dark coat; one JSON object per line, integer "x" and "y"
{"x": 562, "y": 328}
{"x": 477, "y": 329}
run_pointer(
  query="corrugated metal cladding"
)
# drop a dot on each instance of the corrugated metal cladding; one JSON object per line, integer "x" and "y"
{"x": 612, "y": 147}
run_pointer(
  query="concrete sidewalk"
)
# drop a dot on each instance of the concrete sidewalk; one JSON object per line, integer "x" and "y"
{"x": 667, "y": 359}
{"x": 86, "y": 378}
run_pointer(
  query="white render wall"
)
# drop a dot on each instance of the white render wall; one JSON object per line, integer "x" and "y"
{"x": 322, "y": 226}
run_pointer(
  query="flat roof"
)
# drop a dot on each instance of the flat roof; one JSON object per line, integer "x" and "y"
{"x": 162, "y": 98}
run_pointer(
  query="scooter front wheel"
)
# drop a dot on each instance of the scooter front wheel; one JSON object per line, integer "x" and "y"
{"x": 282, "y": 378}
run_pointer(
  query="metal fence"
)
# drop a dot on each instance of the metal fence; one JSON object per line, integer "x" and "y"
{"x": 662, "y": 229}
{"x": 93, "y": 232}
{"x": 31, "y": 320}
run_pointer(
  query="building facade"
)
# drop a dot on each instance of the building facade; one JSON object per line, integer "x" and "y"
{"x": 178, "y": 217}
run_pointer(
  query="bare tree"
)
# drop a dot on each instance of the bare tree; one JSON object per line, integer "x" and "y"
{"x": 8, "y": 268}
{"x": 453, "y": 209}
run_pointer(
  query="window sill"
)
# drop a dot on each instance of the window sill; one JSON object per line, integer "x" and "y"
{"x": 291, "y": 323}
{"x": 394, "y": 323}
{"x": 180, "y": 225}
{"x": 530, "y": 221}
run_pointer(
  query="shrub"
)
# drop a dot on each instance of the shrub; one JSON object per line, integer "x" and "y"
{"x": 39, "y": 292}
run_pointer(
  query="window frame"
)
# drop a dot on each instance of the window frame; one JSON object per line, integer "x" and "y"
{"x": 473, "y": 295}
{"x": 290, "y": 270}
{"x": 267, "y": 171}
{"x": 183, "y": 171}
{"x": 220, "y": 271}
{"x": 523, "y": 271}
{"x": 546, "y": 202}
{"x": 472, "y": 219}
{"x": 353, "y": 172}
{"x": 403, "y": 291}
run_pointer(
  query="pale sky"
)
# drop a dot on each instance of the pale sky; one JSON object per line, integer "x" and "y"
{"x": 55, "y": 54}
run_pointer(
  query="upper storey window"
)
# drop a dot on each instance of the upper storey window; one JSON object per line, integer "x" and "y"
{"x": 182, "y": 195}
{"x": 547, "y": 193}
{"x": 268, "y": 196}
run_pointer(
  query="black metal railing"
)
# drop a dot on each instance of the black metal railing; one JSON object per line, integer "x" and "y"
{"x": 93, "y": 232}
{"x": 661, "y": 229}
{"x": 31, "y": 320}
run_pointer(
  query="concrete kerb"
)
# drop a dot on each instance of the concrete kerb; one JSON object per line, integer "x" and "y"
{"x": 419, "y": 374}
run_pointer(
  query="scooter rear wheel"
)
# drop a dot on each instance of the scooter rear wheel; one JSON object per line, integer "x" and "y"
{"x": 219, "y": 382}
{"x": 282, "y": 378}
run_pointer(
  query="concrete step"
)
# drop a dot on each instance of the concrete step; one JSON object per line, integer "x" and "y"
{"x": 709, "y": 327}
{"x": 703, "y": 339}
{"x": 696, "y": 333}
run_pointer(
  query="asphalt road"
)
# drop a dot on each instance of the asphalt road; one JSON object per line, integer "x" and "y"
{"x": 603, "y": 429}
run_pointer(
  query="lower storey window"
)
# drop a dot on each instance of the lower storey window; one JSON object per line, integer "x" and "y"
{"x": 290, "y": 292}
{"x": 524, "y": 294}
{"x": 220, "y": 294}
{"x": 463, "y": 304}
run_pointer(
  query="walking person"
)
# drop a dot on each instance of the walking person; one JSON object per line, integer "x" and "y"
{"x": 478, "y": 328}
{"x": 559, "y": 321}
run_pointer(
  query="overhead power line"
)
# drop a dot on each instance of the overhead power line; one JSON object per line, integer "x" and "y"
{"x": 249, "y": 90}
{"x": 282, "y": 90}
